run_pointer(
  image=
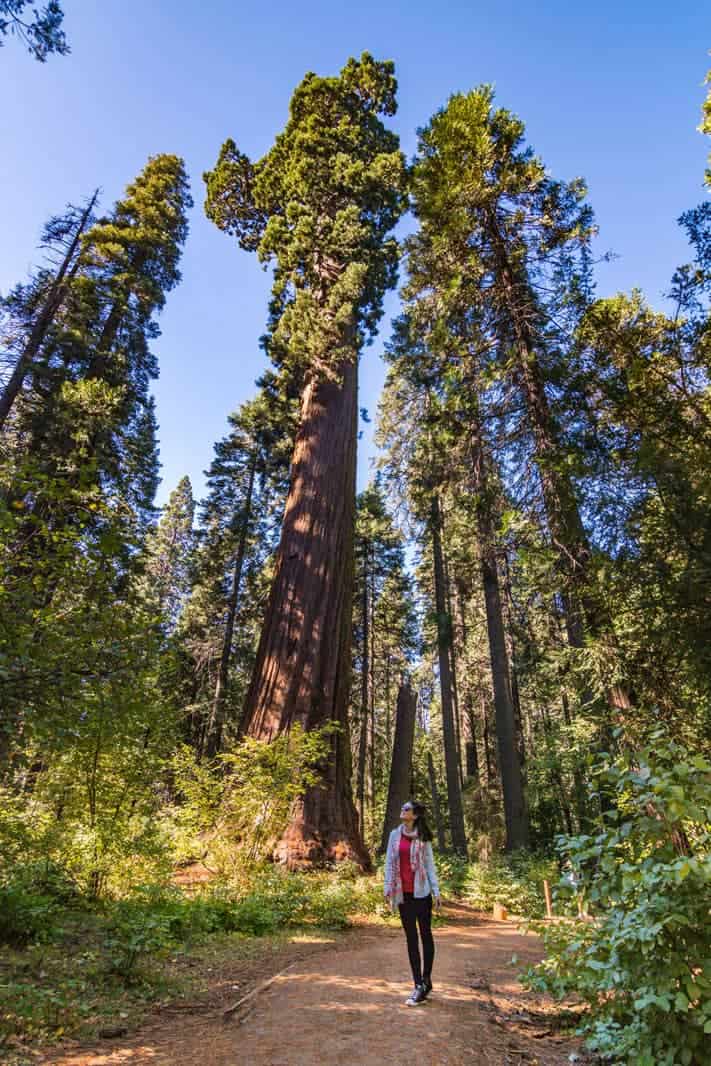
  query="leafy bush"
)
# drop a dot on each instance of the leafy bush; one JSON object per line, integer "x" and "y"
{"x": 134, "y": 932}
{"x": 452, "y": 873}
{"x": 515, "y": 880}
{"x": 315, "y": 897}
{"x": 52, "y": 880}
{"x": 155, "y": 918}
{"x": 253, "y": 915}
{"x": 348, "y": 870}
{"x": 644, "y": 966}
{"x": 26, "y": 916}
{"x": 232, "y": 812}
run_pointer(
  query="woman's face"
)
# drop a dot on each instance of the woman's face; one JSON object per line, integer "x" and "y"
{"x": 407, "y": 815}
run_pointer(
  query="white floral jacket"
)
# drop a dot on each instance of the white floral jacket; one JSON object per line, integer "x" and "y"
{"x": 422, "y": 859}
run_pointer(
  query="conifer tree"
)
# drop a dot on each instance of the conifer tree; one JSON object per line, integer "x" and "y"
{"x": 524, "y": 237}
{"x": 247, "y": 481}
{"x": 29, "y": 311}
{"x": 417, "y": 463}
{"x": 438, "y": 347}
{"x": 320, "y": 204}
{"x": 89, "y": 414}
{"x": 168, "y": 553}
{"x": 238, "y": 529}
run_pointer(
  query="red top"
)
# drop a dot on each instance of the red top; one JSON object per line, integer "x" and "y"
{"x": 406, "y": 873}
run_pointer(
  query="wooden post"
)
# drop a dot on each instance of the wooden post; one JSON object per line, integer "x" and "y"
{"x": 549, "y": 901}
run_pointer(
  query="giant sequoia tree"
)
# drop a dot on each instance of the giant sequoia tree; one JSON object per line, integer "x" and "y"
{"x": 319, "y": 205}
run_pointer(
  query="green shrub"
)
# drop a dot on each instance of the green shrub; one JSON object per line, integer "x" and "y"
{"x": 331, "y": 904}
{"x": 515, "y": 880}
{"x": 253, "y": 915}
{"x": 26, "y": 916}
{"x": 52, "y": 880}
{"x": 644, "y": 965}
{"x": 234, "y": 810}
{"x": 348, "y": 870}
{"x": 452, "y": 873}
{"x": 315, "y": 897}
{"x": 132, "y": 933}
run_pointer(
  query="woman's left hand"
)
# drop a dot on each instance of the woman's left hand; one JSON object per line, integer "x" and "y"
{"x": 438, "y": 902}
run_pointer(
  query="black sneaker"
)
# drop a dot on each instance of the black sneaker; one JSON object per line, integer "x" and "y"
{"x": 426, "y": 987}
{"x": 416, "y": 996}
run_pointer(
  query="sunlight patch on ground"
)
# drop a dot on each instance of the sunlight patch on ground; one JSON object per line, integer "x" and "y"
{"x": 307, "y": 938}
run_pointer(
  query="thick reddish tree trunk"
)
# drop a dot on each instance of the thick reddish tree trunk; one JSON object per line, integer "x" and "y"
{"x": 301, "y": 672}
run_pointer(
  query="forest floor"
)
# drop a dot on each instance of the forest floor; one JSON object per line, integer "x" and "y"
{"x": 340, "y": 1001}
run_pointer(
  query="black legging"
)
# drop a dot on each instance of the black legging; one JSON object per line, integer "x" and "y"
{"x": 416, "y": 911}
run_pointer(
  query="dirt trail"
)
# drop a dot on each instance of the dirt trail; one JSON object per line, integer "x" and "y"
{"x": 345, "y": 1007}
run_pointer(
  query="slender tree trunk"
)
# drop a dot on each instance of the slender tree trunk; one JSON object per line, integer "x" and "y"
{"x": 472, "y": 755}
{"x": 217, "y": 716}
{"x": 401, "y": 763}
{"x": 511, "y": 652}
{"x": 436, "y": 809}
{"x": 364, "y": 677}
{"x": 488, "y": 756}
{"x": 510, "y": 767}
{"x": 444, "y": 639}
{"x": 67, "y": 270}
{"x": 302, "y": 667}
{"x": 388, "y": 737}
{"x": 455, "y": 683}
{"x": 584, "y": 815}
{"x": 371, "y": 696}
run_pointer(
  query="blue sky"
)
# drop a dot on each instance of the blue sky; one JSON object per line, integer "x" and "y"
{"x": 608, "y": 91}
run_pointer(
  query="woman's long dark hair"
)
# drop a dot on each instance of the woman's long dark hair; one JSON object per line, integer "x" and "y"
{"x": 420, "y": 812}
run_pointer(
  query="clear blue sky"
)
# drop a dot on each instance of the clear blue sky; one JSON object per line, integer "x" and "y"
{"x": 610, "y": 91}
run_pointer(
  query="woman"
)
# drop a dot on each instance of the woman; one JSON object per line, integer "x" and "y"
{"x": 411, "y": 881}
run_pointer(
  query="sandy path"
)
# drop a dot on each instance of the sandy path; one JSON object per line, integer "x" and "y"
{"x": 345, "y": 1007}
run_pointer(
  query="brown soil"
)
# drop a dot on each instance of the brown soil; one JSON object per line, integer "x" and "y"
{"x": 343, "y": 1004}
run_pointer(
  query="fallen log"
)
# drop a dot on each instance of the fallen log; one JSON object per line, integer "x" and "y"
{"x": 230, "y": 1012}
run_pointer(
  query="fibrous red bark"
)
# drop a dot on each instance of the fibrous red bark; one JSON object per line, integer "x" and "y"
{"x": 301, "y": 672}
